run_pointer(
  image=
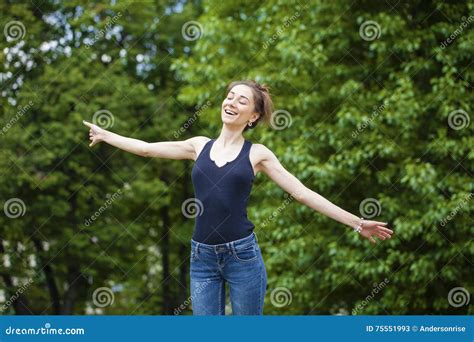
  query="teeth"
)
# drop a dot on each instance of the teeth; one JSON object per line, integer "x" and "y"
{"x": 230, "y": 112}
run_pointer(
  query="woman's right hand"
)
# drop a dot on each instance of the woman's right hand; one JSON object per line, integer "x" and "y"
{"x": 96, "y": 134}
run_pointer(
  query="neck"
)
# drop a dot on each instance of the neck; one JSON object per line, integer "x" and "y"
{"x": 230, "y": 135}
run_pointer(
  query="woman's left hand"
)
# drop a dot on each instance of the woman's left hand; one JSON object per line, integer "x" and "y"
{"x": 375, "y": 228}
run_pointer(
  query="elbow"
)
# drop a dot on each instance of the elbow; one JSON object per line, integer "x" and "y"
{"x": 301, "y": 195}
{"x": 145, "y": 151}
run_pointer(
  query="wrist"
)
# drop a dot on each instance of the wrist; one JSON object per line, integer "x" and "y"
{"x": 358, "y": 226}
{"x": 105, "y": 135}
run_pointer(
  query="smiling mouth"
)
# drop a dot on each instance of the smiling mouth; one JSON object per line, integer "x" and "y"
{"x": 229, "y": 112}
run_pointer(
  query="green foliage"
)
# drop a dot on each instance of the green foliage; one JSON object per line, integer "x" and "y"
{"x": 395, "y": 93}
{"x": 370, "y": 118}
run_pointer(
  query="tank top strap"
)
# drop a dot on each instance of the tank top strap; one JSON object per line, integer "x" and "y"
{"x": 247, "y": 146}
{"x": 206, "y": 148}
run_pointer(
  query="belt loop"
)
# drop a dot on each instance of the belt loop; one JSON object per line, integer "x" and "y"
{"x": 197, "y": 247}
{"x": 232, "y": 247}
{"x": 256, "y": 239}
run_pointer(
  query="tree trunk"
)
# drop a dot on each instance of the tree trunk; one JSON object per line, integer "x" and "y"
{"x": 50, "y": 281}
{"x": 19, "y": 301}
{"x": 73, "y": 279}
{"x": 165, "y": 250}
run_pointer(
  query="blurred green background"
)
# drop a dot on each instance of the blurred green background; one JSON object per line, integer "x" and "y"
{"x": 374, "y": 100}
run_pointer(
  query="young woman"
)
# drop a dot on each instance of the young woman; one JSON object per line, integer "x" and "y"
{"x": 224, "y": 248}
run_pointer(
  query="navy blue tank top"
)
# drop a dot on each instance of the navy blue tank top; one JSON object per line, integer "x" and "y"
{"x": 224, "y": 192}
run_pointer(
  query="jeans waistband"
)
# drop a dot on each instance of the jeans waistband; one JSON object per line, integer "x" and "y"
{"x": 228, "y": 246}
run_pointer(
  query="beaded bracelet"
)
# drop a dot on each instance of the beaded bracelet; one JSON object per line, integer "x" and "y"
{"x": 358, "y": 228}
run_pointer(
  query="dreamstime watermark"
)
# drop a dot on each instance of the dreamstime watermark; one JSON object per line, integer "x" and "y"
{"x": 370, "y": 207}
{"x": 452, "y": 37}
{"x": 102, "y": 208}
{"x": 21, "y": 111}
{"x": 459, "y": 296}
{"x": 103, "y": 118}
{"x": 375, "y": 113}
{"x": 109, "y": 22}
{"x": 16, "y": 295}
{"x": 375, "y": 290}
{"x": 46, "y": 330}
{"x": 192, "y": 30}
{"x": 458, "y": 119}
{"x": 280, "y": 119}
{"x": 14, "y": 30}
{"x": 369, "y": 30}
{"x": 281, "y": 296}
{"x": 459, "y": 207}
{"x": 192, "y": 207}
{"x": 278, "y": 210}
{"x": 281, "y": 29}
{"x": 14, "y": 208}
{"x": 191, "y": 120}
{"x": 198, "y": 290}
{"x": 103, "y": 296}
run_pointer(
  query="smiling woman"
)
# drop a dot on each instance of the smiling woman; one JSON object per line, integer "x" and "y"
{"x": 224, "y": 247}
{"x": 245, "y": 92}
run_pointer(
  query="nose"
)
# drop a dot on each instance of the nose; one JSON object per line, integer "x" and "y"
{"x": 231, "y": 102}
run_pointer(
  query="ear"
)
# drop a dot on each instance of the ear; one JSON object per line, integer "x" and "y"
{"x": 255, "y": 116}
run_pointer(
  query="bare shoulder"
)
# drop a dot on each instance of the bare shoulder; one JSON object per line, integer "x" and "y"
{"x": 259, "y": 154}
{"x": 198, "y": 143}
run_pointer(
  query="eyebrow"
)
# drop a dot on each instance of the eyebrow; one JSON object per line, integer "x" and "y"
{"x": 240, "y": 95}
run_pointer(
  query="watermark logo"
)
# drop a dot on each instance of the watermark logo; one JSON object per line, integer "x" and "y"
{"x": 280, "y": 119}
{"x": 14, "y": 30}
{"x": 102, "y": 297}
{"x": 14, "y": 208}
{"x": 369, "y": 30}
{"x": 459, "y": 296}
{"x": 192, "y": 30}
{"x": 370, "y": 208}
{"x": 280, "y": 297}
{"x": 458, "y": 119}
{"x": 192, "y": 207}
{"x": 103, "y": 118}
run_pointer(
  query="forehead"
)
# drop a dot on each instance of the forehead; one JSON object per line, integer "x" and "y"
{"x": 242, "y": 89}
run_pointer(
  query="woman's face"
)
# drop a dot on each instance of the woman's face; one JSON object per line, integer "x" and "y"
{"x": 238, "y": 107}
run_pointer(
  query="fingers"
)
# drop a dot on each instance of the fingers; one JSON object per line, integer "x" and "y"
{"x": 382, "y": 235}
{"x": 88, "y": 124}
{"x": 386, "y": 230}
{"x": 371, "y": 239}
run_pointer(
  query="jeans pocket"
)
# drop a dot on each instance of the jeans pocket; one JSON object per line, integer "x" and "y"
{"x": 246, "y": 253}
{"x": 194, "y": 255}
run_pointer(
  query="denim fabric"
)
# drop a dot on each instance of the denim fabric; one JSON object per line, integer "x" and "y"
{"x": 237, "y": 264}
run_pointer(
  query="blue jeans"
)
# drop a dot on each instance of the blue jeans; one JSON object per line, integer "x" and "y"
{"x": 238, "y": 263}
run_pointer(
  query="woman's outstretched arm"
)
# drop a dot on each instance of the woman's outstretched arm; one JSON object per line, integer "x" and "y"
{"x": 186, "y": 149}
{"x": 270, "y": 165}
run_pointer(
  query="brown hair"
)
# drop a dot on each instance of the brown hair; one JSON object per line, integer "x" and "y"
{"x": 262, "y": 99}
